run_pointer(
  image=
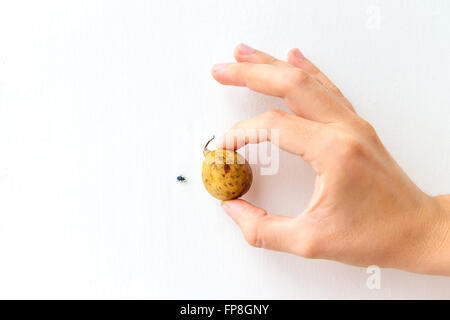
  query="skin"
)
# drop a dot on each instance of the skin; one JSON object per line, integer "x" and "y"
{"x": 225, "y": 174}
{"x": 364, "y": 210}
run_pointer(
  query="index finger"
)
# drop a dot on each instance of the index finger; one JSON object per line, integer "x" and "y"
{"x": 291, "y": 133}
{"x": 303, "y": 94}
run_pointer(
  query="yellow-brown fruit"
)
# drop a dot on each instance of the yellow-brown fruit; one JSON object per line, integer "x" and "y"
{"x": 225, "y": 173}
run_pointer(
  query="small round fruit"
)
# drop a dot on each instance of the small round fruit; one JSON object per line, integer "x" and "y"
{"x": 225, "y": 173}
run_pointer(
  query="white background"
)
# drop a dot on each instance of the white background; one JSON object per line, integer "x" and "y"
{"x": 104, "y": 103}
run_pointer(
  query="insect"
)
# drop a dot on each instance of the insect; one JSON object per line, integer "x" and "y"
{"x": 180, "y": 178}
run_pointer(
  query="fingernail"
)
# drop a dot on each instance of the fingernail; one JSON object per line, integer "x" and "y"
{"x": 232, "y": 207}
{"x": 219, "y": 67}
{"x": 226, "y": 207}
{"x": 245, "y": 49}
{"x": 298, "y": 54}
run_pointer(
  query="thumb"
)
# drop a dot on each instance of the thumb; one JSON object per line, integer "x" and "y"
{"x": 260, "y": 229}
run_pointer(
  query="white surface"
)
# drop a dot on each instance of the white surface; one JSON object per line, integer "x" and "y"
{"x": 104, "y": 103}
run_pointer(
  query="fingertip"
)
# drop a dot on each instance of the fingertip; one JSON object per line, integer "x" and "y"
{"x": 214, "y": 73}
{"x": 290, "y": 55}
{"x": 219, "y": 68}
{"x": 223, "y": 73}
{"x": 236, "y": 52}
{"x": 229, "y": 209}
{"x": 229, "y": 140}
{"x": 295, "y": 56}
{"x": 243, "y": 50}
{"x": 239, "y": 208}
{"x": 219, "y": 142}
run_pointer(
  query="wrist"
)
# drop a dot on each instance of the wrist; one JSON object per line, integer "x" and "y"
{"x": 436, "y": 252}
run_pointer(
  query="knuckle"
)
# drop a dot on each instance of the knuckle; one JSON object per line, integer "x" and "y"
{"x": 350, "y": 147}
{"x": 272, "y": 115}
{"x": 311, "y": 248}
{"x": 253, "y": 230}
{"x": 343, "y": 145}
{"x": 252, "y": 236}
{"x": 296, "y": 78}
{"x": 368, "y": 130}
{"x": 367, "y": 126}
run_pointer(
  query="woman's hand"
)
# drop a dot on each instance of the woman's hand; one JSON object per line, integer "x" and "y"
{"x": 364, "y": 210}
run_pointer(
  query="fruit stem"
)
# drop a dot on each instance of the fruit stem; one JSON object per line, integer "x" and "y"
{"x": 205, "y": 150}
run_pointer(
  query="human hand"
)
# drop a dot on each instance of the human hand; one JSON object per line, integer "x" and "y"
{"x": 364, "y": 209}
